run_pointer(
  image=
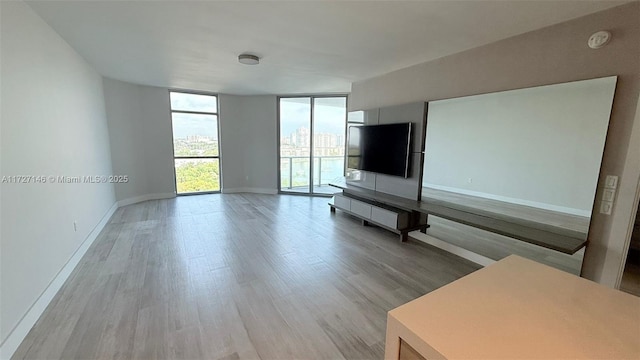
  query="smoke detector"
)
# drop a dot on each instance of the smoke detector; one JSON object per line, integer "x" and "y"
{"x": 248, "y": 59}
{"x": 599, "y": 39}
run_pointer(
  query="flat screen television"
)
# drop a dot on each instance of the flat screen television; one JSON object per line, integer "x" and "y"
{"x": 383, "y": 149}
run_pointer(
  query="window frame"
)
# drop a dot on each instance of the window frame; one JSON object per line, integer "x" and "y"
{"x": 312, "y": 98}
{"x": 219, "y": 156}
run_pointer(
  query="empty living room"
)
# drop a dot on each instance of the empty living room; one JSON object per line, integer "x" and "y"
{"x": 320, "y": 179}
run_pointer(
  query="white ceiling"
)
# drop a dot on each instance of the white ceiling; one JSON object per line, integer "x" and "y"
{"x": 305, "y": 46}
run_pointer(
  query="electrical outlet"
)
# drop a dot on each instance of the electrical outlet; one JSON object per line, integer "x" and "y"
{"x": 611, "y": 182}
{"x": 608, "y": 194}
{"x": 605, "y": 207}
{"x": 470, "y": 181}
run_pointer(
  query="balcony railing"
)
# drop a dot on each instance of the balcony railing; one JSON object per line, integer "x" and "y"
{"x": 294, "y": 170}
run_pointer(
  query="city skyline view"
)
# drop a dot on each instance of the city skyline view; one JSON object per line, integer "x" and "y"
{"x": 325, "y": 144}
{"x": 312, "y": 133}
{"x": 329, "y": 114}
{"x": 197, "y": 136}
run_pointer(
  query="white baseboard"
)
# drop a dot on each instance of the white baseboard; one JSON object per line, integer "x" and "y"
{"x": 137, "y": 199}
{"x": 250, "y": 190}
{"x": 539, "y": 205}
{"x": 20, "y": 331}
{"x": 456, "y": 250}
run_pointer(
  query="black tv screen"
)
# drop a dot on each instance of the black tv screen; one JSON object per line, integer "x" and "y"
{"x": 382, "y": 149}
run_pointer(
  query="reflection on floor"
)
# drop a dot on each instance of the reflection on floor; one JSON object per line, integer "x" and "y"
{"x": 317, "y": 189}
{"x": 496, "y": 247}
{"x": 563, "y": 220}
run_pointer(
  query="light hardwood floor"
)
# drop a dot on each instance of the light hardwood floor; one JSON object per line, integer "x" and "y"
{"x": 236, "y": 276}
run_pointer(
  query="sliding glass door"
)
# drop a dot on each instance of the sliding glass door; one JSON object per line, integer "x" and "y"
{"x": 312, "y": 143}
{"x": 295, "y": 144}
{"x": 329, "y": 129}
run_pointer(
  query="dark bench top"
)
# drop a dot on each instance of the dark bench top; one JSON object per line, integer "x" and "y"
{"x": 549, "y": 236}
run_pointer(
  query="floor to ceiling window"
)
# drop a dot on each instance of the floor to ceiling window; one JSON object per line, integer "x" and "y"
{"x": 196, "y": 151}
{"x": 312, "y": 143}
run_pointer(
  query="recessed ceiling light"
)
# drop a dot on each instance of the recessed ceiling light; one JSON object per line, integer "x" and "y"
{"x": 248, "y": 59}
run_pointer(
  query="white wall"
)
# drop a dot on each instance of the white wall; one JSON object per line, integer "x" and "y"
{"x": 232, "y": 129}
{"x": 141, "y": 142}
{"x": 53, "y": 123}
{"x": 248, "y": 138}
{"x": 539, "y": 147}
{"x": 551, "y": 55}
{"x": 123, "y": 114}
{"x": 157, "y": 145}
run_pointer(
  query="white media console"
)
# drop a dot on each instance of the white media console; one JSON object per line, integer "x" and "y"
{"x": 384, "y": 210}
{"x": 391, "y": 212}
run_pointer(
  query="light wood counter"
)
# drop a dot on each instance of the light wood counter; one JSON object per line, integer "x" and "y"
{"x": 518, "y": 308}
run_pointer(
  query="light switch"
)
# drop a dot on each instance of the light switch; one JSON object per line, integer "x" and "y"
{"x": 605, "y": 207}
{"x": 611, "y": 182}
{"x": 608, "y": 194}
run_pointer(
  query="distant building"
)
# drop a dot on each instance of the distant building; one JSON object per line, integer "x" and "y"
{"x": 199, "y": 138}
{"x": 298, "y": 143}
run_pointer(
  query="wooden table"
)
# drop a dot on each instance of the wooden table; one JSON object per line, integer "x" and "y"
{"x": 517, "y": 308}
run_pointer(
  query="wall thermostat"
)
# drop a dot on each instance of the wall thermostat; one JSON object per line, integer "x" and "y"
{"x": 599, "y": 39}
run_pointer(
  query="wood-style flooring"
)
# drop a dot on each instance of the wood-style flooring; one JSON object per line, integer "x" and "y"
{"x": 235, "y": 276}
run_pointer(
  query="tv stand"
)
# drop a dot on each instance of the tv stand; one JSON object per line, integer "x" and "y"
{"x": 545, "y": 235}
{"x": 373, "y": 207}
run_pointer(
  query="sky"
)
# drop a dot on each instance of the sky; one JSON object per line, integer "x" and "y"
{"x": 329, "y": 115}
{"x": 191, "y": 124}
{"x": 193, "y": 102}
{"x": 194, "y": 124}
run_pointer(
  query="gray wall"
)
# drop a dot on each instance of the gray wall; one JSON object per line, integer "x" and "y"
{"x": 141, "y": 141}
{"x": 551, "y": 55}
{"x": 249, "y": 143}
{"x": 53, "y": 123}
{"x": 232, "y": 153}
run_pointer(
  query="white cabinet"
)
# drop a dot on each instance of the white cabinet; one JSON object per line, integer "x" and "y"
{"x": 354, "y": 206}
{"x": 342, "y": 202}
{"x": 361, "y": 209}
{"x": 372, "y": 212}
{"x": 384, "y": 217}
